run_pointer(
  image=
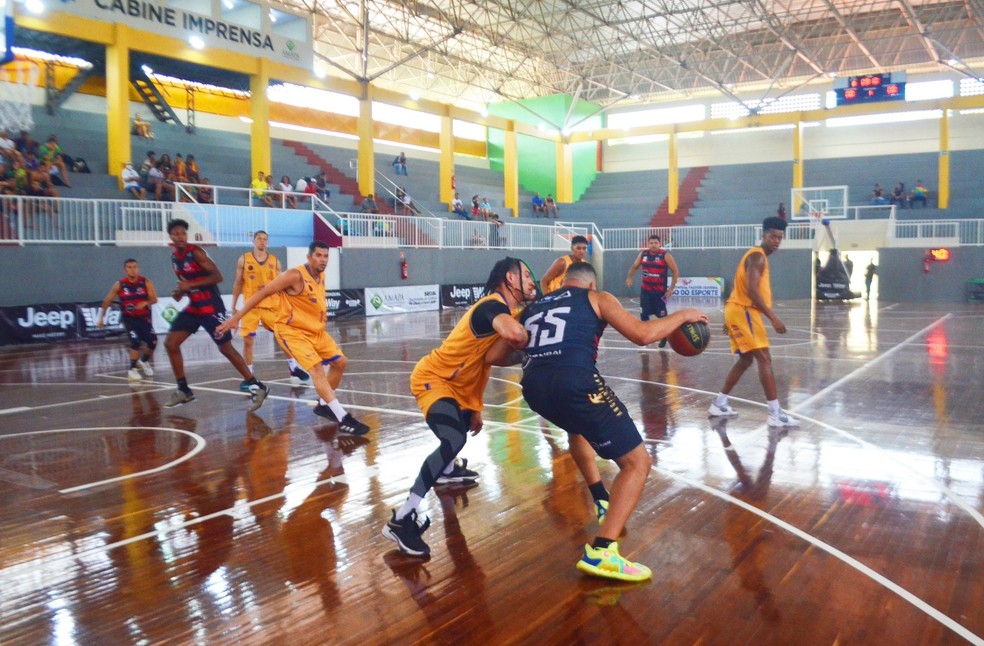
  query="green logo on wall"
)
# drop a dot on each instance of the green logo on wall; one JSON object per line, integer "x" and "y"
{"x": 291, "y": 45}
{"x": 376, "y": 301}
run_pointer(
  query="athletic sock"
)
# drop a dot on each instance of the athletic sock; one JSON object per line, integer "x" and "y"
{"x": 250, "y": 366}
{"x": 292, "y": 364}
{"x": 774, "y": 408}
{"x": 721, "y": 401}
{"x": 413, "y": 501}
{"x": 448, "y": 469}
{"x": 145, "y": 358}
{"x": 601, "y": 543}
{"x": 183, "y": 385}
{"x": 337, "y": 409}
{"x": 322, "y": 402}
{"x": 598, "y": 491}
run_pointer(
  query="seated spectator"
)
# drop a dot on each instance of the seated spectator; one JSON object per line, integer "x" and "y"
{"x": 259, "y": 188}
{"x": 408, "y": 206}
{"x": 192, "y": 171}
{"x": 51, "y": 153}
{"x": 131, "y": 182}
{"x": 7, "y": 145}
{"x": 39, "y": 184}
{"x": 205, "y": 194}
{"x": 898, "y": 195}
{"x": 168, "y": 190}
{"x": 149, "y": 162}
{"x": 537, "y": 203}
{"x": 477, "y": 239}
{"x": 919, "y": 194}
{"x": 141, "y": 128}
{"x": 180, "y": 169}
{"x": 485, "y": 209}
{"x": 155, "y": 181}
{"x": 311, "y": 188}
{"x": 400, "y": 164}
{"x": 458, "y": 208}
{"x": 476, "y": 206}
{"x": 286, "y": 188}
{"x": 369, "y": 204}
{"x": 878, "y": 195}
{"x": 24, "y": 143}
{"x": 550, "y": 206}
{"x": 164, "y": 163}
{"x": 398, "y": 200}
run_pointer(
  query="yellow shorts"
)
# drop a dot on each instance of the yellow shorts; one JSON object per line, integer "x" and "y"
{"x": 308, "y": 349}
{"x": 745, "y": 328}
{"x": 428, "y": 389}
{"x": 250, "y": 323}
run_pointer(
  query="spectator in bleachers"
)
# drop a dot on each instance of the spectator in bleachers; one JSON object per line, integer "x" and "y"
{"x": 141, "y": 128}
{"x": 398, "y": 196}
{"x": 485, "y": 209}
{"x": 550, "y": 206}
{"x": 131, "y": 182}
{"x": 369, "y": 204}
{"x": 155, "y": 181}
{"x": 259, "y": 187}
{"x": 7, "y": 145}
{"x": 781, "y": 211}
{"x": 165, "y": 164}
{"x": 495, "y": 235}
{"x": 458, "y": 208}
{"x": 324, "y": 193}
{"x": 400, "y": 164}
{"x": 409, "y": 208}
{"x": 23, "y": 143}
{"x": 537, "y": 203}
{"x": 193, "y": 172}
{"x": 311, "y": 188}
{"x": 286, "y": 188}
{"x": 476, "y": 206}
{"x": 39, "y": 184}
{"x": 205, "y": 194}
{"x": 898, "y": 195}
{"x": 149, "y": 162}
{"x": 168, "y": 190}
{"x": 477, "y": 239}
{"x": 180, "y": 169}
{"x": 919, "y": 194}
{"x": 878, "y": 195}
{"x": 53, "y": 155}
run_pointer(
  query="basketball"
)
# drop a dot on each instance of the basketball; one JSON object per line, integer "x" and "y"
{"x": 690, "y": 339}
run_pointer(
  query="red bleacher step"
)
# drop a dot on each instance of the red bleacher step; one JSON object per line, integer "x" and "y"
{"x": 687, "y": 197}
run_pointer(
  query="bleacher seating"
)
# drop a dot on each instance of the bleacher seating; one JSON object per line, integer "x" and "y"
{"x": 626, "y": 199}
{"x": 741, "y": 193}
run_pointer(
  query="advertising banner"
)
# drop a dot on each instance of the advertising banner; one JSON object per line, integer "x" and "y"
{"x": 345, "y": 303}
{"x": 708, "y": 286}
{"x": 400, "y": 300}
{"x": 57, "y": 322}
{"x": 460, "y": 295}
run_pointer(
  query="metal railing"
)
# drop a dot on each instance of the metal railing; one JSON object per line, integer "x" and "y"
{"x": 689, "y": 237}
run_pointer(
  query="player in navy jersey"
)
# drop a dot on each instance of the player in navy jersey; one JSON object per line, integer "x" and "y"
{"x": 198, "y": 279}
{"x": 656, "y": 263}
{"x": 562, "y": 384}
{"x": 136, "y": 294}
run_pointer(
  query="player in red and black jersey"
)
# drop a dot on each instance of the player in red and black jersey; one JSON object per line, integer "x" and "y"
{"x": 198, "y": 279}
{"x": 136, "y": 294}
{"x": 656, "y": 263}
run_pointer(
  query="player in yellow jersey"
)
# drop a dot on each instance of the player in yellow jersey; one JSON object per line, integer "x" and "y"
{"x": 554, "y": 278}
{"x": 750, "y": 300}
{"x": 300, "y": 331}
{"x": 255, "y": 269}
{"x": 449, "y": 384}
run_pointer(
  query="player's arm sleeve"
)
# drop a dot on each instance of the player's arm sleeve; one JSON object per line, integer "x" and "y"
{"x": 484, "y": 314}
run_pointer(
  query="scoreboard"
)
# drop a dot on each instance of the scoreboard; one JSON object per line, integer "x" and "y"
{"x": 870, "y": 88}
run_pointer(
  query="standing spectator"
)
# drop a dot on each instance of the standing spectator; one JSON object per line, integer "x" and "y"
{"x": 400, "y": 164}
{"x": 141, "y": 128}
{"x": 781, "y": 211}
{"x": 495, "y": 235}
{"x": 549, "y": 206}
{"x": 869, "y": 274}
{"x": 919, "y": 194}
{"x": 131, "y": 182}
{"x": 849, "y": 266}
{"x": 458, "y": 208}
{"x": 286, "y": 189}
{"x": 537, "y": 203}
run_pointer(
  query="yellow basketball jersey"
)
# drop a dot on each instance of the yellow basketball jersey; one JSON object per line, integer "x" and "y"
{"x": 256, "y": 274}
{"x": 739, "y": 294}
{"x": 307, "y": 310}
{"x": 459, "y": 362}
{"x": 557, "y": 282}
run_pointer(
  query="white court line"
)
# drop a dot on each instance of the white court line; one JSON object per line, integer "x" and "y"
{"x": 89, "y": 485}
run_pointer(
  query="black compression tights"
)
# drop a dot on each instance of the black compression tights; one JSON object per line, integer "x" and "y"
{"x": 450, "y": 425}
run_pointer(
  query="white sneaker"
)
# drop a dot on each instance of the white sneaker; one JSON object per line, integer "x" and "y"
{"x": 721, "y": 411}
{"x": 133, "y": 375}
{"x": 783, "y": 419}
{"x": 145, "y": 368}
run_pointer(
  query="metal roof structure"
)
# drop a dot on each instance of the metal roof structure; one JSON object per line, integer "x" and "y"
{"x": 623, "y": 52}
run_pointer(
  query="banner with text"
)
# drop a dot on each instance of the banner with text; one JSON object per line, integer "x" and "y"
{"x": 57, "y": 322}
{"x": 399, "y": 300}
{"x": 708, "y": 286}
{"x": 460, "y": 295}
{"x": 273, "y": 34}
{"x": 343, "y": 303}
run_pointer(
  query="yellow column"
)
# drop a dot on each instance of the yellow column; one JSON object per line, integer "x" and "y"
{"x": 673, "y": 181}
{"x": 565, "y": 173}
{"x": 367, "y": 166}
{"x": 510, "y": 164}
{"x": 259, "y": 112}
{"x": 943, "y": 193}
{"x": 118, "y": 101}
{"x": 797, "y": 156}
{"x": 446, "y": 170}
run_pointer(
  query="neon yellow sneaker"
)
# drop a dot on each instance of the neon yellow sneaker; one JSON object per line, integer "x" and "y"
{"x": 601, "y": 508}
{"x": 607, "y": 562}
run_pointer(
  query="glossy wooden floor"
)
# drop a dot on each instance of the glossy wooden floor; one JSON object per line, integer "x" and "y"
{"x": 123, "y": 522}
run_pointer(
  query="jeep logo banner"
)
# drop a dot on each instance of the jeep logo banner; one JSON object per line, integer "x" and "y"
{"x": 344, "y": 303}
{"x": 56, "y": 322}
{"x": 460, "y": 295}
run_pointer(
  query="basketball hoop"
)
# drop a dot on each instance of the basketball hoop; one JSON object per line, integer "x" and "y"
{"x": 18, "y": 79}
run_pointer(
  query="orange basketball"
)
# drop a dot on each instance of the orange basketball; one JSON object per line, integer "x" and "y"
{"x": 690, "y": 339}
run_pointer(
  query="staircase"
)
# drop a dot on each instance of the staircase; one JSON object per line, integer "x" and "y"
{"x": 687, "y": 198}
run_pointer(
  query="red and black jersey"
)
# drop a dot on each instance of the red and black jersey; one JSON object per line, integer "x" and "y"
{"x": 654, "y": 271}
{"x": 204, "y": 300}
{"x": 130, "y": 294}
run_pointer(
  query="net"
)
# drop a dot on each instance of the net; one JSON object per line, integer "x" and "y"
{"x": 18, "y": 80}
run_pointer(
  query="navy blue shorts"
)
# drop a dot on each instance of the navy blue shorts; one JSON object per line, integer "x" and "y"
{"x": 190, "y": 323}
{"x": 139, "y": 331}
{"x": 652, "y": 304}
{"x": 580, "y": 402}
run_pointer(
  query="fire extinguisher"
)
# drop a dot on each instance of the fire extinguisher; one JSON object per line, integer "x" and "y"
{"x": 403, "y": 266}
{"x": 927, "y": 258}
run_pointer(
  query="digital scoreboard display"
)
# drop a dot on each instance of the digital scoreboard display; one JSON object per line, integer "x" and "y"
{"x": 870, "y": 88}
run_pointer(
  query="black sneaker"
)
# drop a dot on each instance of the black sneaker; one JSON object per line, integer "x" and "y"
{"x": 406, "y": 532}
{"x": 351, "y": 426}
{"x": 323, "y": 410}
{"x": 460, "y": 473}
{"x": 662, "y": 343}
{"x": 244, "y": 386}
{"x": 298, "y": 377}
{"x": 258, "y": 395}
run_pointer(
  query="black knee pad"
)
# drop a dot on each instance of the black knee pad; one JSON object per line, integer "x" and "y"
{"x": 447, "y": 421}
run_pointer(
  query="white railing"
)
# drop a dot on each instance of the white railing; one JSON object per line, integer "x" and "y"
{"x": 687, "y": 237}
{"x": 930, "y": 231}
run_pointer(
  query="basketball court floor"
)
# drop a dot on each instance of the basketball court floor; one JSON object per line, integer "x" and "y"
{"x": 124, "y": 522}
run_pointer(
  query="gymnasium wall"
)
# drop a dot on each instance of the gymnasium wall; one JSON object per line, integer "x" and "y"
{"x": 901, "y": 276}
